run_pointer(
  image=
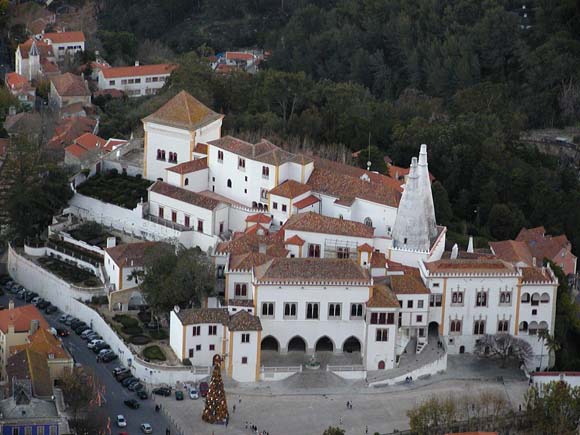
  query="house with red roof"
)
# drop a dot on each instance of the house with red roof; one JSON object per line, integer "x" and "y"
{"x": 135, "y": 81}
{"x": 67, "y": 89}
{"x": 35, "y": 59}
{"x": 65, "y": 43}
{"x": 19, "y": 86}
{"x": 84, "y": 147}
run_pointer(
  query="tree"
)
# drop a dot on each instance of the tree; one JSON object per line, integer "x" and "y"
{"x": 553, "y": 408}
{"x": 433, "y": 416}
{"x": 333, "y": 431}
{"x": 175, "y": 276}
{"x": 505, "y": 347}
{"x": 550, "y": 343}
{"x": 504, "y": 221}
{"x": 443, "y": 210}
{"x": 216, "y": 406}
{"x": 376, "y": 157}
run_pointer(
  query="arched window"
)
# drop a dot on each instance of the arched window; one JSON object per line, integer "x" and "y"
{"x": 341, "y": 217}
{"x": 523, "y": 326}
{"x": 535, "y": 299}
{"x": 533, "y": 328}
{"x": 455, "y": 326}
{"x": 186, "y": 182}
{"x": 543, "y": 326}
{"x": 545, "y": 298}
{"x": 229, "y": 183}
{"x": 368, "y": 222}
{"x": 525, "y": 298}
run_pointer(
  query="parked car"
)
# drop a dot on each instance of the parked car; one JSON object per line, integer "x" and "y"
{"x": 142, "y": 394}
{"x": 123, "y": 376}
{"x": 62, "y": 332}
{"x": 21, "y": 294}
{"x": 99, "y": 347}
{"x": 93, "y": 336}
{"x": 75, "y": 322}
{"x": 203, "y": 389}
{"x": 63, "y": 318}
{"x": 35, "y": 300}
{"x": 41, "y": 305}
{"x": 138, "y": 387}
{"x": 193, "y": 394}
{"x": 117, "y": 371}
{"x": 162, "y": 391}
{"x": 29, "y": 296}
{"x": 121, "y": 422}
{"x": 108, "y": 357}
{"x": 86, "y": 332}
{"x": 80, "y": 329}
{"x": 129, "y": 380}
{"x": 146, "y": 428}
{"x": 50, "y": 309}
{"x": 15, "y": 288}
{"x": 132, "y": 403}
{"x": 178, "y": 395}
{"x": 134, "y": 385}
{"x": 94, "y": 343}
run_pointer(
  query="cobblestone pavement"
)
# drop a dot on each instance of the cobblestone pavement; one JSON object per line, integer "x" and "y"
{"x": 283, "y": 408}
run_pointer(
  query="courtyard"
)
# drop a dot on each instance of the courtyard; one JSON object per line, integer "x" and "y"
{"x": 309, "y": 402}
{"x": 119, "y": 189}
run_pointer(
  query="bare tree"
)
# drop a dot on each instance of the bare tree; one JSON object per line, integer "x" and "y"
{"x": 505, "y": 347}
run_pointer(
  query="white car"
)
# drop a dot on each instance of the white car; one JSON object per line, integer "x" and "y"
{"x": 146, "y": 428}
{"x": 93, "y": 343}
{"x": 193, "y": 394}
{"x": 121, "y": 422}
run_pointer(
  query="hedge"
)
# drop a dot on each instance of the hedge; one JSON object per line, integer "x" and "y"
{"x": 132, "y": 330}
{"x": 154, "y": 353}
{"x": 126, "y": 321}
{"x": 158, "y": 335}
{"x": 140, "y": 339}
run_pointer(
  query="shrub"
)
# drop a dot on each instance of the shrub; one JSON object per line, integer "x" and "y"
{"x": 132, "y": 330}
{"x": 154, "y": 353}
{"x": 158, "y": 335}
{"x": 125, "y": 320}
{"x": 140, "y": 339}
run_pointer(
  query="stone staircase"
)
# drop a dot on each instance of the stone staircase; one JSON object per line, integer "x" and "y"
{"x": 420, "y": 346}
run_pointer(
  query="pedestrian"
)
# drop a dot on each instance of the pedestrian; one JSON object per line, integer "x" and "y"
{"x": 234, "y": 408}
{"x": 350, "y": 404}
{"x": 239, "y": 399}
{"x": 347, "y": 404}
{"x": 246, "y": 424}
{"x": 340, "y": 421}
{"x": 366, "y": 429}
{"x": 227, "y": 420}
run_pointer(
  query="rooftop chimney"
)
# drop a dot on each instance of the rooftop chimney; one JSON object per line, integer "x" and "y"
{"x": 262, "y": 248}
{"x": 454, "y": 252}
{"x": 136, "y": 63}
{"x": 111, "y": 242}
{"x": 534, "y": 261}
{"x": 470, "y": 245}
{"x": 11, "y": 304}
{"x": 34, "y": 324}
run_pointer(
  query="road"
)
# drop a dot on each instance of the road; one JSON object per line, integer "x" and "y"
{"x": 115, "y": 394}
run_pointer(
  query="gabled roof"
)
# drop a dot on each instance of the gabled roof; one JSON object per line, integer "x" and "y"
{"x": 259, "y": 218}
{"x": 194, "y": 316}
{"x": 42, "y": 47}
{"x": 138, "y": 70}
{"x": 317, "y": 223}
{"x": 382, "y": 298}
{"x": 408, "y": 284}
{"x": 21, "y": 318}
{"x": 312, "y": 271}
{"x": 15, "y": 81}
{"x": 541, "y": 244}
{"x": 263, "y": 151}
{"x": 90, "y": 141}
{"x": 45, "y": 343}
{"x": 184, "y": 195}
{"x": 33, "y": 366}
{"x": 248, "y": 261}
{"x": 70, "y": 85}
{"x": 129, "y": 254}
{"x": 75, "y": 150}
{"x": 470, "y": 266}
{"x": 306, "y": 202}
{"x": 64, "y": 37}
{"x": 238, "y": 55}
{"x": 290, "y": 189}
{"x": 243, "y": 243}
{"x": 365, "y": 247}
{"x": 184, "y": 111}
{"x": 512, "y": 251}
{"x": 68, "y": 129}
{"x": 536, "y": 275}
{"x": 189, "y": 167}
{"x": 244, "y": 321}
{"x": 295, "y": 240}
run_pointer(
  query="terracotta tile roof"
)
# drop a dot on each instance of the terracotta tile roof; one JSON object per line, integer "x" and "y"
{"x": 290, "y": 189}
{"x": 244, "y": 321}
{"x": 75, "y": 150}
{"x": 512, "y": 251}
{"x": 248, "y": 261}
{"x": 70, "y": 85}
{"x": 138, "y": 71}
{"x": 183, "y": 111}
{"x": 295, "y": 240}
{"x": 312, "y": 270}
{"x": 243, "y": 243}
{"x": 68, "y": 129}
{"x": 467, "y": 266}
{"x": 222, "y": 68}
{"x": 73, "y": 109}
{"x": 30, "y": 365}
{"x": 194, "y": 316}
{"x": 543, "y": 245}
{"x": 22, "y": 122}
{"x": 44, "y": 50}
{"x": 189, "y": 167}
{"x": 129, "y": 254}
{"x": 49, "y": 67}
{"x": 263, "y": 151}
{"x": 257, "y": 229}
{"x": 382, "y": 297}
{"x": 408, "y": 284}
{"x": 259, "y": 218}
{"x": 535, "y": 275}
{"x": 306, "y": 202}
{"x": 111, "y": 144}
{"x": 45, "y": 343}
{"x": 241, "y": 303}
{"x": 393, "y": 266}
{"x": 90, "y": 141}
{"x": 114, "y": 93}
{"x": 15, "y": 81}
{"x": 317, "y": 223}
{"x": 238, "y": 55}
{"x": 184, "y": 195}
{"x": 365, "y": 247}
{"x": 200, "y": 148}
{"x": 21, "y": 317}
{"x": 356, "y": 172}
{"x": 64, "y": 37}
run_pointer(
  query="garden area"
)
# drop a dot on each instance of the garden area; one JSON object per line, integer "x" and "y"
{"x": 141, "y": 331}
{"x": 92, "y": 233}
{"x": 69, "y": 272}
{"x": 114, "y": 188}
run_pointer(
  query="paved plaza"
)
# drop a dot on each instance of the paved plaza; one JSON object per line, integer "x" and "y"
{"x": 309, "y": 402}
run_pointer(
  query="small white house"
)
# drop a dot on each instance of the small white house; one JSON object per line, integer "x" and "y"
{"x": 135, "y": 81}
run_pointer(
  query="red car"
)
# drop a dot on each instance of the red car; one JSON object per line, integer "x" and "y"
{"x": 203, "y": 388}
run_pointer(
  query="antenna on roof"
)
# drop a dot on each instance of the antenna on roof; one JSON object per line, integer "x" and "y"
{"x": 369, "y": 156}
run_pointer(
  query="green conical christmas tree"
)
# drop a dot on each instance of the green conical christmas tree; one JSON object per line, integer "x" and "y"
{"x": 216, "y": 407}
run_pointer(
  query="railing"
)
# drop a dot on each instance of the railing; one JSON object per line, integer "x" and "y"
{"x": 288, "y": 369}
{"x": 71, "y": 253}
{"x": 167, "y": 223}
{"x": 352, "y": 368}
